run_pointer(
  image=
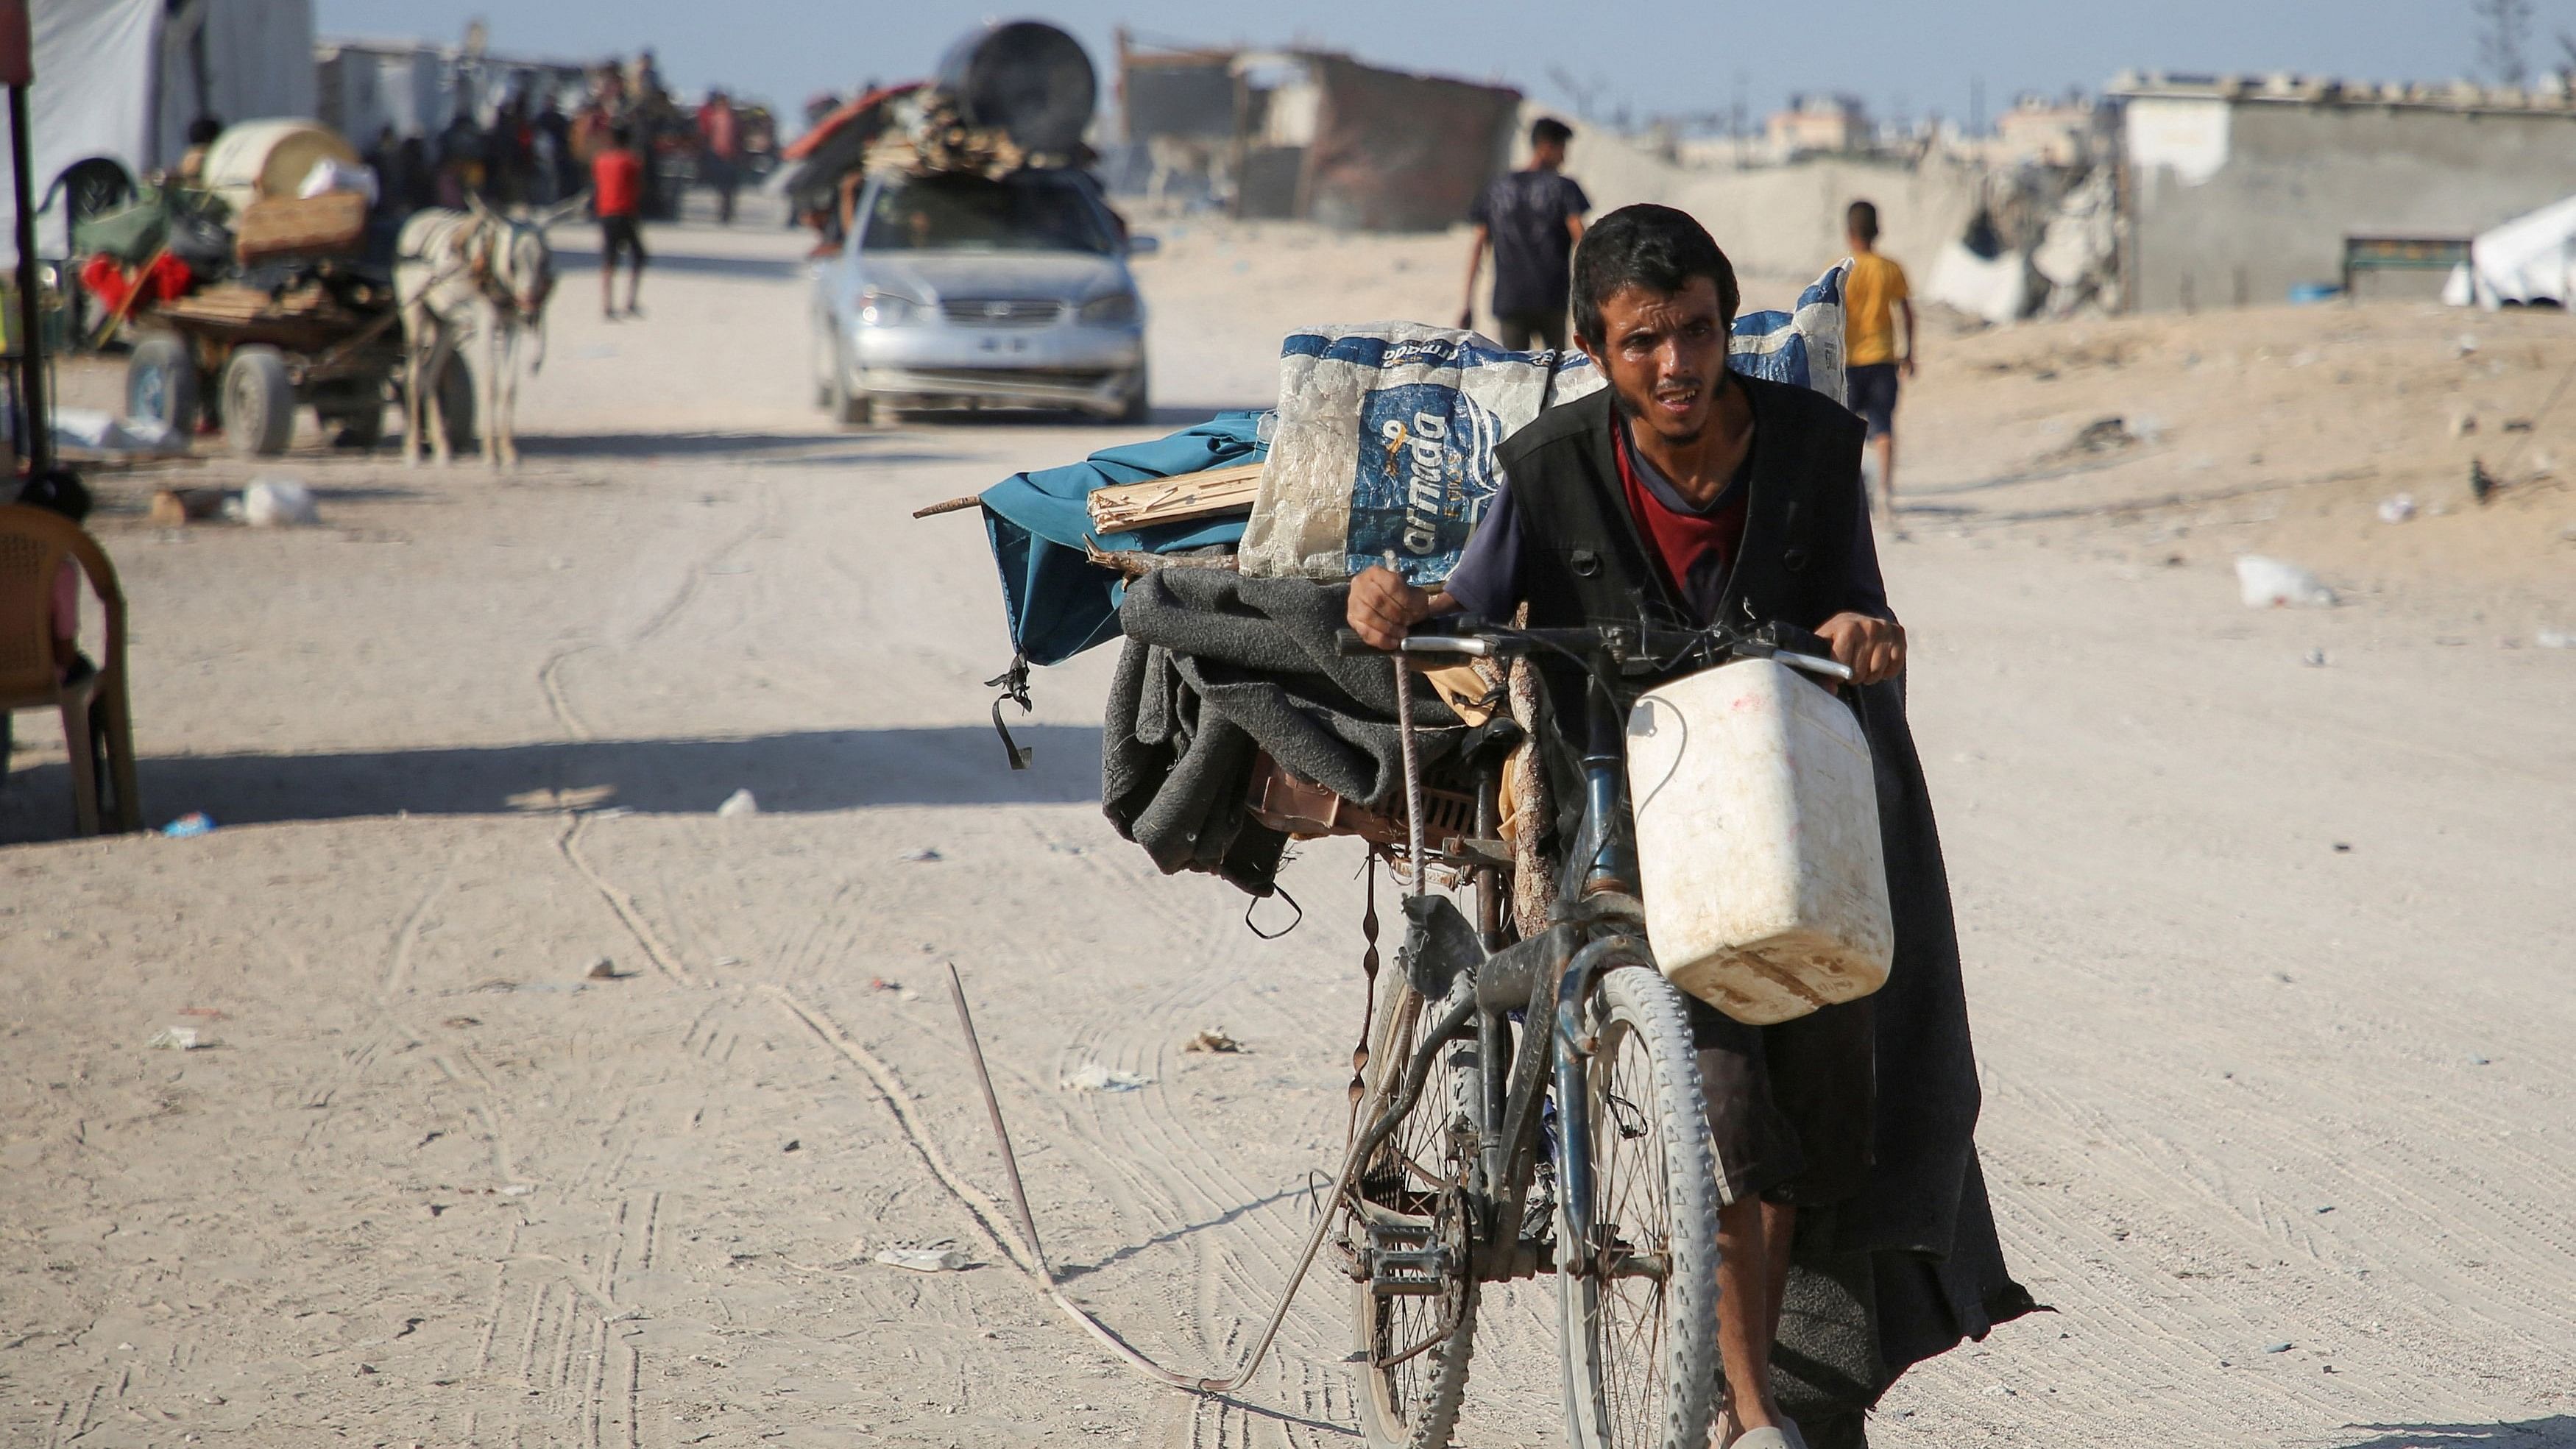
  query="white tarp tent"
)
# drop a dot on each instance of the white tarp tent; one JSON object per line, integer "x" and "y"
{"x": 119, "y": 80}
{"x": 2528, "y": 259}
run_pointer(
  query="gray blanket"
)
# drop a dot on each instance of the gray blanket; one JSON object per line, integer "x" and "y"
{"x": 1218, "y": 667}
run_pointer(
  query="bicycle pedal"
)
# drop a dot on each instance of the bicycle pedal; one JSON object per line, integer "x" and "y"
{"x": 1410, "y": 1272}
{"x": 1402, "y": 1261}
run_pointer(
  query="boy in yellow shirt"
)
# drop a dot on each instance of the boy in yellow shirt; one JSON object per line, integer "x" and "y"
{"x": 1872, "y": 294}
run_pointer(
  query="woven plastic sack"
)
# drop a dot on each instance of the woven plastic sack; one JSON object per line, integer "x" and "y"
{"x": 1387, "y": 430}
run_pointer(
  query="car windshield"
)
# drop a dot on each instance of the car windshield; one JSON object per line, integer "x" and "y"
{"x": 1023, "y": 213}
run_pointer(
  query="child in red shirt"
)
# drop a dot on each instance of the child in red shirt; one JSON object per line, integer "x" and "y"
{"x": 617, "y": 194}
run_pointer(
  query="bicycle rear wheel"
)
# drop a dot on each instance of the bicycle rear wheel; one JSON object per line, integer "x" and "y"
{"x": 1639, "y": 1305}
{"x": 1416, "y": 1322}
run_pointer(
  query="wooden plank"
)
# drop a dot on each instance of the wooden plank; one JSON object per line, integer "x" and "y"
{"x": 1214, "y": 493}
{"x": 1134, "y": 564}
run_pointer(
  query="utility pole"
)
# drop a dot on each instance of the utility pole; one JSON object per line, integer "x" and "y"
{"x": 17, "y": 72}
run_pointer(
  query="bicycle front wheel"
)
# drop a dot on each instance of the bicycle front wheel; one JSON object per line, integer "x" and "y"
{"x": 1639, "y": 1303}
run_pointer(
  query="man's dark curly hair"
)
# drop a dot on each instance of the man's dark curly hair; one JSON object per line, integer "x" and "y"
{"x": 1654, "y": 247}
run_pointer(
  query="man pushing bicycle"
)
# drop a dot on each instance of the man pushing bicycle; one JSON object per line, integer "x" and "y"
{"x": 1686, "y": 495}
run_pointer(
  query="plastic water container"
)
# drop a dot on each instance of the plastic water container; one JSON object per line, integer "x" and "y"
{"x": 1757, "y": 835}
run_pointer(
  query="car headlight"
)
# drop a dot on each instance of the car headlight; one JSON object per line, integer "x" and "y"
{"x": 886, "y": 309}
{"x": 1113, "y": 310}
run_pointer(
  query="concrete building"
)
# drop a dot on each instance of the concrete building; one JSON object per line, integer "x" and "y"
{"x": 2043, "y": 131}
{"x": 2235, "y": 191}
{"x": 1818, "y": 125}
{"x": 417, "y": 86}
{"x": 1311, "y": 135}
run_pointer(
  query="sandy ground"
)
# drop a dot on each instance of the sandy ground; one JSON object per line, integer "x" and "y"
{"x": 2267, "y": 959}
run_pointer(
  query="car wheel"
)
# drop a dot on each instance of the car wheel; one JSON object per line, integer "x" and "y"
{"x": 1138, "y": 406}
{"x": 849, "y": 408}
{"x": 824, "y": 359}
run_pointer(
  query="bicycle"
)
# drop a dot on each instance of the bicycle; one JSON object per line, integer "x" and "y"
{"x": 1534, "y": 1107}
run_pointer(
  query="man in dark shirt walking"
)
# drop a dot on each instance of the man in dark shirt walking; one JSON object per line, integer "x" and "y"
{"x": 1531, "y": 219}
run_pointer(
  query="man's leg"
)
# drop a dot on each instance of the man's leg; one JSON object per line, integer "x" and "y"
{"x": 1752, "y": 1273}
{"x": 1757, "y": 1150}
{"x": 635, "y": 273}
{"x": 1515, "y": 332}
{"x": 608, "y": 271}
{"x": 1886, "y": 445}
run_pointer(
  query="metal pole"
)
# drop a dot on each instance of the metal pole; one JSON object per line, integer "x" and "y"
{"x": 31, "y": 348}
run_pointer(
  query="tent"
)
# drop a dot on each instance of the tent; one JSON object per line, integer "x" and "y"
{"x": 118, "y": 81}
{"x": 2528, "y": 260}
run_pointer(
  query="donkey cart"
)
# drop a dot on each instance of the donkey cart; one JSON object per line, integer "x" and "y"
{"x": 243, "y": 359}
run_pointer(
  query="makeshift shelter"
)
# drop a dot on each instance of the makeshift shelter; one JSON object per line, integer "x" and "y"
{"x": 1313, "y": 135}
{"x": 2530, "y": 260}
{"x": 1397, "y": 152}
{"x": 118, "y": 81}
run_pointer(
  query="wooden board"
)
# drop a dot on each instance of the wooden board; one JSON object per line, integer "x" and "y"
{"x": 1212, "y": 494}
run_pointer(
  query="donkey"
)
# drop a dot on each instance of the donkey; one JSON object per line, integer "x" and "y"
{"x": 471, "y": 272}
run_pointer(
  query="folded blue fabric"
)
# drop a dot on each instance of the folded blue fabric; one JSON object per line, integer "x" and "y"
{"x": 1057, "y": 603}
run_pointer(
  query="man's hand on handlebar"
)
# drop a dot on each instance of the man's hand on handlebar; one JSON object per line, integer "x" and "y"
{"x": 1873, "y": 648}
{"x": 1383, "y": 606}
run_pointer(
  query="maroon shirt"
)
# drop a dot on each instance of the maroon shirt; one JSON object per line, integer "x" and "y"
{"x": 1695, "y": 545}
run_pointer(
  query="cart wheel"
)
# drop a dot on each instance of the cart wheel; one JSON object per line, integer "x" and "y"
{"x": 456, "y": 404}
{"x": 259, "y": 402}
{"x": 161, "y": 383}
{"x": 360, "y": 426}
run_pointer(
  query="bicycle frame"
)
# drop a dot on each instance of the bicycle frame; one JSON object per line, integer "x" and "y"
{"x": 1597, "y": 923}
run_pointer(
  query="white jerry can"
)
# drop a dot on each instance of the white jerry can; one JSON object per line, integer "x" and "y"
{"x": 1757, "y": 836}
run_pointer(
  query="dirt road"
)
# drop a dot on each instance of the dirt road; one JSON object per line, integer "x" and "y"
{"x": 2267, "y": 962}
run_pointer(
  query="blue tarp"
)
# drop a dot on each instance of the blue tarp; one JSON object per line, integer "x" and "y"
{"x": 1058, "y": 603}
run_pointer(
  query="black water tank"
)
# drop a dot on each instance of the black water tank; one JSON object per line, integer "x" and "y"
{"x": 1026, "y": 78}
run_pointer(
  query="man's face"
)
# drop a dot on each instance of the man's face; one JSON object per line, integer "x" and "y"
{"x": 1665, "y": 356}
{"x": 1548, "y": 155}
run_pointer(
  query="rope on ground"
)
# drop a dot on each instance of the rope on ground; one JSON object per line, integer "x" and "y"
{"x": 1036, "y": 1262}
{"x": 982, "y": 1210}
{"x": 664, "y": 959}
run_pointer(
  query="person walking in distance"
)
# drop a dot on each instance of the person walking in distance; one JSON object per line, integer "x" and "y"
{"x": 720, "y": 151}
{"x": 1872, "y": 296}
{"x": 1531, "y": 219}
{"x": 617, "y": 191}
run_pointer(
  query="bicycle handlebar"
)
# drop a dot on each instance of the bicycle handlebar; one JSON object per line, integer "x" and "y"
{"x": 1786, "y": 643}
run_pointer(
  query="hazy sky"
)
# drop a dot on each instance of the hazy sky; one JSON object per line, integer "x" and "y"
{"x": 1904, "y": 56}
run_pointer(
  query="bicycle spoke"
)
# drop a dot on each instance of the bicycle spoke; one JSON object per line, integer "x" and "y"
{"x": 1413, "y": 1344}
{"x": 1633, "y": 1216}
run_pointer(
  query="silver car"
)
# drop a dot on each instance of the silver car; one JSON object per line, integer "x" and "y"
{"x": 962, "y": 290}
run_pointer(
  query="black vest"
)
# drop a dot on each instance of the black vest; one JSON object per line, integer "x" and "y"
{"x": 1586, "y": 561}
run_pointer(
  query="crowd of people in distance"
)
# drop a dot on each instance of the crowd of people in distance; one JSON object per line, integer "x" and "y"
{"x": 541, "y": 143}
